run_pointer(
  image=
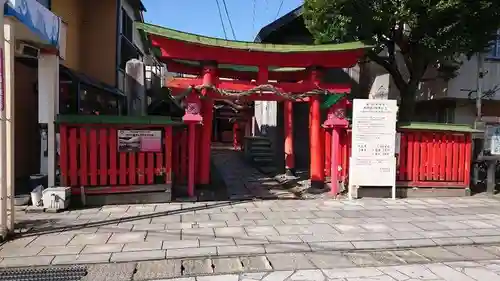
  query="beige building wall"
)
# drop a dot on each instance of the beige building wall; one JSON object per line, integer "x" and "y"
{"x": 91, "y": 36}
{"x": 71, "y": 13}
{"x": 98, "y": 40}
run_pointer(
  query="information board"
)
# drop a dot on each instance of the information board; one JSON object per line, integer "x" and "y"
{"x": 373, "y": 161}
{"x": 139, "y": 141}
{"x": 492, "y": 140}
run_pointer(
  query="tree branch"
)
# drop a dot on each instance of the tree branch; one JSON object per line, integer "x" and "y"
{"x": 391, "y": 69}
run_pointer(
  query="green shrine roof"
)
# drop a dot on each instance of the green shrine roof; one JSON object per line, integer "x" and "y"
{"x": 247, "y": 46}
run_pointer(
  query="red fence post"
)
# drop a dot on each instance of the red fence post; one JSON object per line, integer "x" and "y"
{"x": 168, "y": 154}
{"x": 63, "y": 153}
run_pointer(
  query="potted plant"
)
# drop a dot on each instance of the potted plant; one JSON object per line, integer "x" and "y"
{"x": 159, "y": 176}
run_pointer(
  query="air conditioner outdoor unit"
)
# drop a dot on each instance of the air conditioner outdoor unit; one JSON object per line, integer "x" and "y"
{"x": 27, "y": 51}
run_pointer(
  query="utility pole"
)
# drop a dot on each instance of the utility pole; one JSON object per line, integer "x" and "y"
{"x": 479, "y": 84}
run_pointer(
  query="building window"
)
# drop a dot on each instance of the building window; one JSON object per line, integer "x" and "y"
{"x": 127, "y": 26}
{"x": 495, "y": 47}
{"x": 45, "y": 3}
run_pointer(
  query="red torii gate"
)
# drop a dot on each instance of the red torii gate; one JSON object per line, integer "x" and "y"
{"x": 223, "y": 69}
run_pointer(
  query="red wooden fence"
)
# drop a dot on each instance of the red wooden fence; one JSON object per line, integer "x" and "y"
{"x": 426, "y": 158}
{"x": 89, "y": 156}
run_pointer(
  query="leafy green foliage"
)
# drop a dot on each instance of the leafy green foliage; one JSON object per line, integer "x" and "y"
{"x": 423, "y": 32}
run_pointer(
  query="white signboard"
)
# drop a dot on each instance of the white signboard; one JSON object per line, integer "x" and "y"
{"x": 492, "y": 141}
{"x": 373, "y": 161}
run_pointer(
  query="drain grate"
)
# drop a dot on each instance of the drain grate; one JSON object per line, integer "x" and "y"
{"x": 74, "y": 273}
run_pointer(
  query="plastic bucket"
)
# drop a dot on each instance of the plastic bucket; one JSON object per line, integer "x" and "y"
{"x": 36, "y": 196}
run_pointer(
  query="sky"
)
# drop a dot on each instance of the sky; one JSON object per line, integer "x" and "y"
{"x": 202, "y": 16}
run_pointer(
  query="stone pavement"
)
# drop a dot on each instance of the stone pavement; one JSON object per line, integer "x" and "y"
{"x": 129, "y": 233}
{"x": 455, "y": 263}
{"x": 449, "y": 271}
{"x": 244, "y": 181}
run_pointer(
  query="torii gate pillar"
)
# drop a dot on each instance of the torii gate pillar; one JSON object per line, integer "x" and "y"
{"x": 317, "y": 168}
{"x": 209, "y": 79}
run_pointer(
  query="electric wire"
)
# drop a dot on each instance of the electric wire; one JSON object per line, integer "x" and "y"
{"x": 229, "y": 19}
{"x": 221, "y": 19}
{"x": 253, "y": 16}
{"x": 279, "y": 9}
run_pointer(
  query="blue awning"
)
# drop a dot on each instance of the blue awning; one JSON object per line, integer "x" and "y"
{"x": 40, "y": 20}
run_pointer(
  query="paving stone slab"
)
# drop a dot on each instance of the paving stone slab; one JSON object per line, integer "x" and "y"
{"x": 387, "y": 258}
{"x": 363, "y": 259}
{"x": 329, "y": 260}
{"x": 158, "y": 269}
{"x": 110, "y": 272}
{"x": 137, "y": 256}
{"x": 257, "y": 263}
{"x": 104, "y": 248}
{"x": 20, "y": 252}
{"x": 471, "y": 252}
{"x": 409, "y": 256}
{"x": 438, "y": 254}
{"x": 290, "y": 261}
{"x": 197, "y": 266}
{"x": 81, "y": 259}
{"x": 240, "y": 250}
{"x": 26, "y": 261}
{"x": 192, "y": 252}
{"x": 227, "y": 265}
{"x": 60, "y": 250}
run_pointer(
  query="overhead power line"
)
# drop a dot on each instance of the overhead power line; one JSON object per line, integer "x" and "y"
{"x": 229, "y": 19}
{"x": 279, "y": 9}
{"x": 253, "y": 16}
{"x": 221, "y": 19}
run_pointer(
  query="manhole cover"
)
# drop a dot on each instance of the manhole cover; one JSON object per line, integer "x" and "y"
{"x": 43, "y": 274}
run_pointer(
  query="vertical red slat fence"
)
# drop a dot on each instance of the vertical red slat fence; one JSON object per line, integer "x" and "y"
{"x": 426, "y": 158}
{"x": 89, "y": 158}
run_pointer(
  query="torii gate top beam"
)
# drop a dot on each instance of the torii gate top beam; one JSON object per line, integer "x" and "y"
{"x": 175, "y": 45}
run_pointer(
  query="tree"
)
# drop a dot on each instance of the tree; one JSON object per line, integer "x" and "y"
{"x": 423, "y": 33}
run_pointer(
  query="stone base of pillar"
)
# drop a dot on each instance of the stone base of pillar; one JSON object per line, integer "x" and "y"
{"x": 317, "y": 184}
{"x": 290, "y": 172}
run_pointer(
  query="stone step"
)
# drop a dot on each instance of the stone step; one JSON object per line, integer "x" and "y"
{"x": 263, "y": 159}
{"x": 263, "y": 153}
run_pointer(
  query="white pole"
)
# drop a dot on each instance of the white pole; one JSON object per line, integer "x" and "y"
{"x": 3, "y": 159}
{"x": 9, "y": 58}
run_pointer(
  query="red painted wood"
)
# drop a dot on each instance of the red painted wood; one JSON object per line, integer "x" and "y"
{"x": 442, "y": 158}
{"x": 238, "y": 85}
{"x": 103, "y": 159}
{"x": 159, "y": 166}
{"x": 409, "y": 156}
{"x": 123, "y": 171}
{"x": 461, "y": 157}
{"x": 93, "y": 156}
{"x": 150, "y": 167}
{"x": 73, "y": 156}
{"x": 141, "y": 168}
{"x": 416, "y": 156}
{"x": 328, "y": 152}
{"x": 455, "y": 163}
{"x": 468, "y": 159}
{"x": 173, "y": 49}
{"x": 63, "y": 160}
{"x": 84, "y": 154}
{"x": 113, "y": 168}
{"x": 184, "y": 157}
{"x": 168, "y": 154}
{"x": 132, "y": 170}
{"x": 175, "y": 155}
{"x": 176, "y": 67}
{"x": 424, "y": 160}
{"x": 449, "y": 157}
{"x": 430, "y": 156}
{"x": 403, "y": 149}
